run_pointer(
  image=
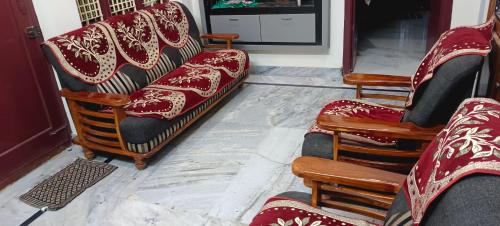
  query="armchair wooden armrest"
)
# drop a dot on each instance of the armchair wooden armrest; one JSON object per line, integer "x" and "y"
{"x": 336, "y": 172}
{"x": 360, "y": 80}
{"x": 221, "y": 36}
{"x": 377, "y": 80}
{"x": 393, "y": 129}
{"x": 108, "y": 99}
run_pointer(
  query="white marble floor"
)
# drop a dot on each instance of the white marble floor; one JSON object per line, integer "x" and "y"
{"x": 301, "y": 76}
{"x": 396, "y": 47}
{"x": 219, "y": 172}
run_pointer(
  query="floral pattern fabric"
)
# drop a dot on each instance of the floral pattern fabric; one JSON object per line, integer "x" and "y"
{"x": 95, "y": 52}
{"x": 453, "y": 43}
{"x": 280, "y": 211}
{"x": 87, "y": 53}
{"x": 230, "y": 61}
{"x": 469, "y": 144}
{"x": 360, "y": 109}
{"x": 170, "y": 22}
{"x": 135, "y": 39}
{"x": 189, "y": 85}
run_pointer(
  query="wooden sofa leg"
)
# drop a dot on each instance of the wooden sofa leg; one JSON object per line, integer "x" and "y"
{"x": 89, "y": 154}
{"x": 140, "y": 163}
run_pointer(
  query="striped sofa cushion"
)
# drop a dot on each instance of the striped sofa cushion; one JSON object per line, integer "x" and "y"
{"x": 164, "y": 66}
{"x": 121, "y": 83}
{"x": 192, "y": 48}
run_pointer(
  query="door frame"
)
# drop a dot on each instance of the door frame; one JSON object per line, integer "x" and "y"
{"x": 348, "y": 59}
{"x": 40, "y": 147}
{"x": 442, "y": 22}
{"x": 439, "y": 20}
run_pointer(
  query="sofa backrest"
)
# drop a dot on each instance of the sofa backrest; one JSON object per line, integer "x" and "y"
{"x": 129, "y": 78}
{"x": 436, "y": 101}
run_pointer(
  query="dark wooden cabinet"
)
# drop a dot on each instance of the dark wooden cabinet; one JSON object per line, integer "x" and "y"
{"x": 33, "y": 123}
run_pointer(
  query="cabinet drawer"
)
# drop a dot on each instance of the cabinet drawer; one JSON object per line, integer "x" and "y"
{"x": 247, "y": 26}
{"x": 288, "y": 28}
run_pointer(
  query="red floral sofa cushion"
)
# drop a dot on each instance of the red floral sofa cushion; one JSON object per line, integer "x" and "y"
{"x": 361, "y": 109}
{"x": 197, "y": 80}
{"x": 281, "y": 211}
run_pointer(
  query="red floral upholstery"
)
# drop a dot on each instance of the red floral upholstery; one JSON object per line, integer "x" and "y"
{"x": 280, "y": 211}
{"x": 87, "y": 53}
{"x": 197, "y": 80}
{"x": 452, "y": 43}
{"x": 469, "y": 144}
{"x": 361, "y": 109}
{"x": 170, "y": 22}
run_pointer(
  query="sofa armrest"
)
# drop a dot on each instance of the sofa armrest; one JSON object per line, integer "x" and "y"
{"x": 221, "y": 36}
{"x": 337, "y": 172}
{"x": 108, "y": 99}
{"x": 360, "y": 80}
{"x": 393, "y": 129}
{"x": 377, "y": 80}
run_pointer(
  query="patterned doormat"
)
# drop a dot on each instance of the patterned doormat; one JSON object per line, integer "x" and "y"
{"x": 59, "y": 189}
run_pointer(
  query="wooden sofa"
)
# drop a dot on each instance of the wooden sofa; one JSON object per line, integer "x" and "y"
{"x": 134, "y": 82}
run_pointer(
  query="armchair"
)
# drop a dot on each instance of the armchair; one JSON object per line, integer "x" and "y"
{"x": 386, "y": 136}
{"x": 450, "y": 184}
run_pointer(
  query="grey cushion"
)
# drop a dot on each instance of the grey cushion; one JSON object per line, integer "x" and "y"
{"x": 318, "y": 145}
{"x": 299, "y": 196}
{"x": 437, "y": 100}
{"x": 321, "y": 145}
{"x": 143, "y": 134}
{"x": 433, "y": 104}
{"x": 474, "y": 200}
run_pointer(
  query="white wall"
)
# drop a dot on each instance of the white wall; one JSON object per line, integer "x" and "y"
{"x": 57, "y": 17}
{"x": 469, "y": 12}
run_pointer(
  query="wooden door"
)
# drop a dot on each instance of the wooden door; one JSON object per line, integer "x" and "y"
{"x": 439, "y": 20}
{"x": 33, "y": 123}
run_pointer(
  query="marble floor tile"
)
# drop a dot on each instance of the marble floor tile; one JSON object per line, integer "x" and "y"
{"x": 396, "y": 47}
{"x": 218, "y": 172}
{"x": 312, "y": 77}
{"x": 304, "y": 76}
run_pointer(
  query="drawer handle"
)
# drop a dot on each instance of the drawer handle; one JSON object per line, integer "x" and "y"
{"x": 233, "y": 19}
{"x": 286, "y": 19}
